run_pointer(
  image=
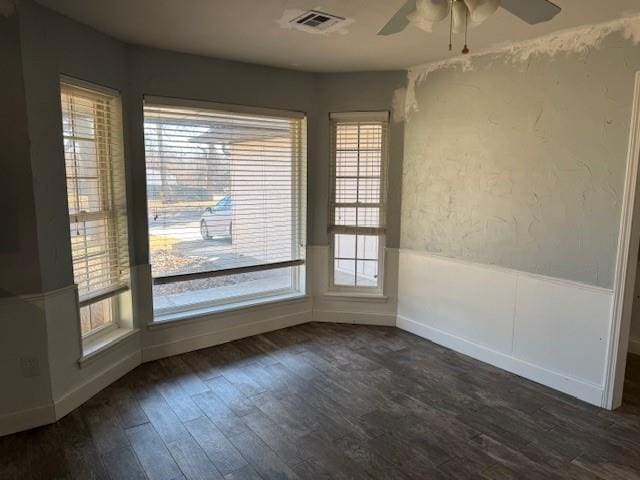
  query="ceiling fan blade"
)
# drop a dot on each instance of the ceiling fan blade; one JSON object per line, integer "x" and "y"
{"x": 399, "y": 21}
{"x": 532, "y": 11}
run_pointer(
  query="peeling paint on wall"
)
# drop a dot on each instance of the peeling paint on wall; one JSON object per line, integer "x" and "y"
{"x": 398, "y": 104}
{"x": 7, "y": 8}
{"x": 416, "y": 75}
{"x": 571, "y": 41}
{"x": 517, "y": 159}
{"x": 339, "y": 28}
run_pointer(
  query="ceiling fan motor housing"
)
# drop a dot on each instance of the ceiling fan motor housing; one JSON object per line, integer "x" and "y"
{"x": 433, "y": 10}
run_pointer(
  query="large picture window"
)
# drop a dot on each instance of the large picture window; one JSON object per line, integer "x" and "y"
{"x": 94, "y": 162}
{"x": 357, "y": 199}
{"x": 226, "y": 192}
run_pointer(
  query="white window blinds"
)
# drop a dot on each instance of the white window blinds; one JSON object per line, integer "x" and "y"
{"x": 358, "y": 167}
{"x": 226, "y": 189}
{"x": 94, "y": 161}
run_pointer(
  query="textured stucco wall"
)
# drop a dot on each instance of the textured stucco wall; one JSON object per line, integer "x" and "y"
{"x": 517, "y": 158}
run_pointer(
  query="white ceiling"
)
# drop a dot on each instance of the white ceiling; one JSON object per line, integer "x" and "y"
{"x": 248, "y": 30}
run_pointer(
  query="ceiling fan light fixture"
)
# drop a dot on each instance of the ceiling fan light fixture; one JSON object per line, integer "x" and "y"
{"x": 480, "y": 10}
{"x": 431, "y": 11}
{"x": 459, "y": 12}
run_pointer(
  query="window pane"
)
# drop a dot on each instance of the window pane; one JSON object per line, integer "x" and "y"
{"x": 347, "y": 163}
{"x": 345, "y": 246}
{"x": 370, "y": 164}
{"x": 345, "y": 216}
{"x": 346, "y": 190}
{"x": 369, "y": 190}
{"x": 96, "y": 316}
{"x": 368, "y": 217}
{"x": 347, "y": 257}
{"x": 344, "y": 273}
{"x": 368, "y": 247}
{"x": 370, "y": 137}
{"x": 367, "y": 273}
{"x": 347, "y": 137}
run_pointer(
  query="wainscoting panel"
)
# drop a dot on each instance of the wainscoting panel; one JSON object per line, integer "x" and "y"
{"x": 548, "y": 330}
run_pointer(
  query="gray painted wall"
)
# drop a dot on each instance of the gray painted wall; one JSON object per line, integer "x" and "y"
{"x": 22, "y": 324}
{"x": 53, "y": 45}
{"x": 521, "y": 165}
{"x": 20, "y": 271}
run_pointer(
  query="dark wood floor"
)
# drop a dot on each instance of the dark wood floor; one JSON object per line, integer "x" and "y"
{"x": 330, "y": 401}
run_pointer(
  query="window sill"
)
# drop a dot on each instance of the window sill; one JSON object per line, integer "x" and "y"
{"x": 355, "y": 297}
{"x": 171, "y": 319}
{"x": 95, "y": 347}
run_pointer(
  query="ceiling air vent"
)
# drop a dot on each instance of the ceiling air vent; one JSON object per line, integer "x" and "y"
{"x": 315, "y": 20}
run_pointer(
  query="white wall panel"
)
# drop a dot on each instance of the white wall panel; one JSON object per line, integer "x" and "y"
{"x": 462, "y": 299}
{"x": 550, "y": 331}
{"x": 562, "y": 326}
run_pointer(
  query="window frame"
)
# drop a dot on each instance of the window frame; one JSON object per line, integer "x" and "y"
{"x": 299, "y": 220}
{"x": 108, "y": 209}
{"x": 335, "y": 119}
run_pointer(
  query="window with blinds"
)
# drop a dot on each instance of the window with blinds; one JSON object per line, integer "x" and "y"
{"x": 357, "y": 199}
{"x": 94, "y": 163}
{"x": 226, "y": 190}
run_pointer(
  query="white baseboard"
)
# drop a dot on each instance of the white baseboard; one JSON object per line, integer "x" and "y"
{"x": 634, "y": 345}
{"x": 49, "y": 413}
{"x": 356, "y": 318}
{"x": 209, "y": 339}
{"x": 581, "y": 389}
{"x": 83, "y": 392}
{"x": 25, "y": 419}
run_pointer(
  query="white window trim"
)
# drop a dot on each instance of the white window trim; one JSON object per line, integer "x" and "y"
{"x": 216, "y": 304}
{"x": 298, "y": 272}
{"x": 359, "y": 291}
{"x": 223, "y": 107}
{"x": 95, "y": 346}
{"x": 199, "y": 314}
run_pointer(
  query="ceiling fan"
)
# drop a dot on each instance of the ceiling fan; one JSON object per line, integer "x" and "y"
{"x": 463, "y": 14}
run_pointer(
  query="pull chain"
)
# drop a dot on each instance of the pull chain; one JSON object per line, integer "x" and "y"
{"x": 451, "y": 27}
{"x": 465, "y": 49}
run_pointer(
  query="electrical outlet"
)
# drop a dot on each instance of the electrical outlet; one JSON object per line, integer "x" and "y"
{"x": 30, "y": 367}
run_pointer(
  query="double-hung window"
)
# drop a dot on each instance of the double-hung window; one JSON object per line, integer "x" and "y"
{"x": 357, "y": 200}
{"x": 226, "y": 198}
{"x": 94, "y": 162}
